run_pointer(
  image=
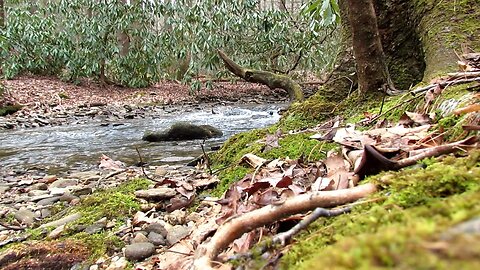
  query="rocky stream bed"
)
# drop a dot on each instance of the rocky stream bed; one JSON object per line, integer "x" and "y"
{"x": 57, "y": 158}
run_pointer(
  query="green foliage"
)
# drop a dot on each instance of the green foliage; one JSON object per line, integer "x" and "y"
{"x": 140, "y": 43}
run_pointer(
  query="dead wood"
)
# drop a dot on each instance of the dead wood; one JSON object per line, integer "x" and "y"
{"x": 269, "y": 79}
{"x": 444, "y": 84}
{"x": 235, "y": 227}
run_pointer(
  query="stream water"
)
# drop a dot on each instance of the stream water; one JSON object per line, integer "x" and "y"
{"x": 79, "y": 147}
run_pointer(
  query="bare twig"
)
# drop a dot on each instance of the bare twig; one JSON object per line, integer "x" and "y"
{"x": 205, "y": 156}
{"x": 443, "y": 84}
{"x": 235, "y": 227}
{"x": 142, "y": 164}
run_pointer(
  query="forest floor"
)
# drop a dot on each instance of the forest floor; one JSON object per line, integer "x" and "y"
{"x": 162, "y": 217}
{"x": 30, "y": 90}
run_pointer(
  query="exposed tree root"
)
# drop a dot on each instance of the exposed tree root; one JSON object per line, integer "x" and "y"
{"x": 269, "y": 79}
{"x": 235, "y": 227}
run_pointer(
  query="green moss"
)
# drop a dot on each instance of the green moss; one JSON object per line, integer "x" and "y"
{"x": 100, "y": 244}
{"x": 11, "y": 109}
{"x": 116, "y": 203}
{"x": 419, "y": 204}
{"x": 63, "y": 95}
{"x": 229, "y": 176}
{"x": 446, "y": 27}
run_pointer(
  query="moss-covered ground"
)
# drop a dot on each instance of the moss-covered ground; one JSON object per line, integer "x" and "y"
{"x": 406, "y": 228}
{"x": 401, "y": 229}
{"x": 117, "y": 204}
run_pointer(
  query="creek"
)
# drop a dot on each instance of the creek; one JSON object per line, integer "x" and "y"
{"x": 79, "y": 146}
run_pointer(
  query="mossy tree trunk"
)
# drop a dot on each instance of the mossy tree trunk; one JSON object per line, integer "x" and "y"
{"x": 421, "y": 39}
{"x": 2, "y": 14}
{"x": 372, "y": 71}
{"x": 269, "y": 79}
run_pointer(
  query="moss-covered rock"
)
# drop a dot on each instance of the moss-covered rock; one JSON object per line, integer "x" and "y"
{"x": 182, "y": 131}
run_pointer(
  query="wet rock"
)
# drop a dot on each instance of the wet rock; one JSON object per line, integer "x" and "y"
{"x": 156, "y": 193}
{"x": 183, "y": 131}
{"x": 25, "y": 216}
{"x": 176, "y": 233}
{"x": 157, "y": 228}
{"x": 156, "y": 239}
{"x": 63, "y": 183}
{"x": 139, "y": 251}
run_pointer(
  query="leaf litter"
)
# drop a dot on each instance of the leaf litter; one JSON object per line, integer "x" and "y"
{"x": 272, "y": 182}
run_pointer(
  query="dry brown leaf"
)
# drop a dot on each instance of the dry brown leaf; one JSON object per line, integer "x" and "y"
{"x": 253, "y": 160}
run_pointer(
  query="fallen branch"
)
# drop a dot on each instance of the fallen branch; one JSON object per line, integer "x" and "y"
{"x": 269, "y": 79}
{"x": 235, "y": 227}
{"x": 437, "y": 151}
{"x": 285, "y": 237}
{"x": 443, "y": 84}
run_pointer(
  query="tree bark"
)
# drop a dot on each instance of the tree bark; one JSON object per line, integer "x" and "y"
{"x": 372, "y": 70}
{"x": 269, "y": 79}
{"x": 2, "y": 14}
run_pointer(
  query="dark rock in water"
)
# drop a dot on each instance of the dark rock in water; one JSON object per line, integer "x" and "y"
{"x": 182, "y": 131}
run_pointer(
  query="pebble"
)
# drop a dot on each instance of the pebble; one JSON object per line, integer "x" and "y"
{"x": 97, "y": 226}
{"x": 48, "y": 201}
{"x": 39, "y": 186}
{"x": 63, "y": 183}
{"x": 156, "y": 239}
{"x": 57, "y": 232}
{"x": 139, "y": 251}
{"x": 25, "y": 216}
{"x": 139, "y": 238}
{"x": 118, "y": 264}
{"x": 157, "y": 228}
{"x": 176, "y": 233}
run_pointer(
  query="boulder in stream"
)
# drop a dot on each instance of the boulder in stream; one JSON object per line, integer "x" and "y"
{"x": 182, "y": 131}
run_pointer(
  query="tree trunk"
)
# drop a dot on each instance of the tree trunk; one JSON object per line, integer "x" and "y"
{"x": 269, "y": 79}
{"x": 2, "y": 14}
{"x": 372, "y": 70}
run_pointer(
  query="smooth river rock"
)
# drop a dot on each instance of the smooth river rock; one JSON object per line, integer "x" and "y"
{"x": 156, "y": 193}
{"x": 139, "y": 251}
{"x": 25, "y": 216}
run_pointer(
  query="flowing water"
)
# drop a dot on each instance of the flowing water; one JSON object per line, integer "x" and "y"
{"x": 80, "y": 146}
